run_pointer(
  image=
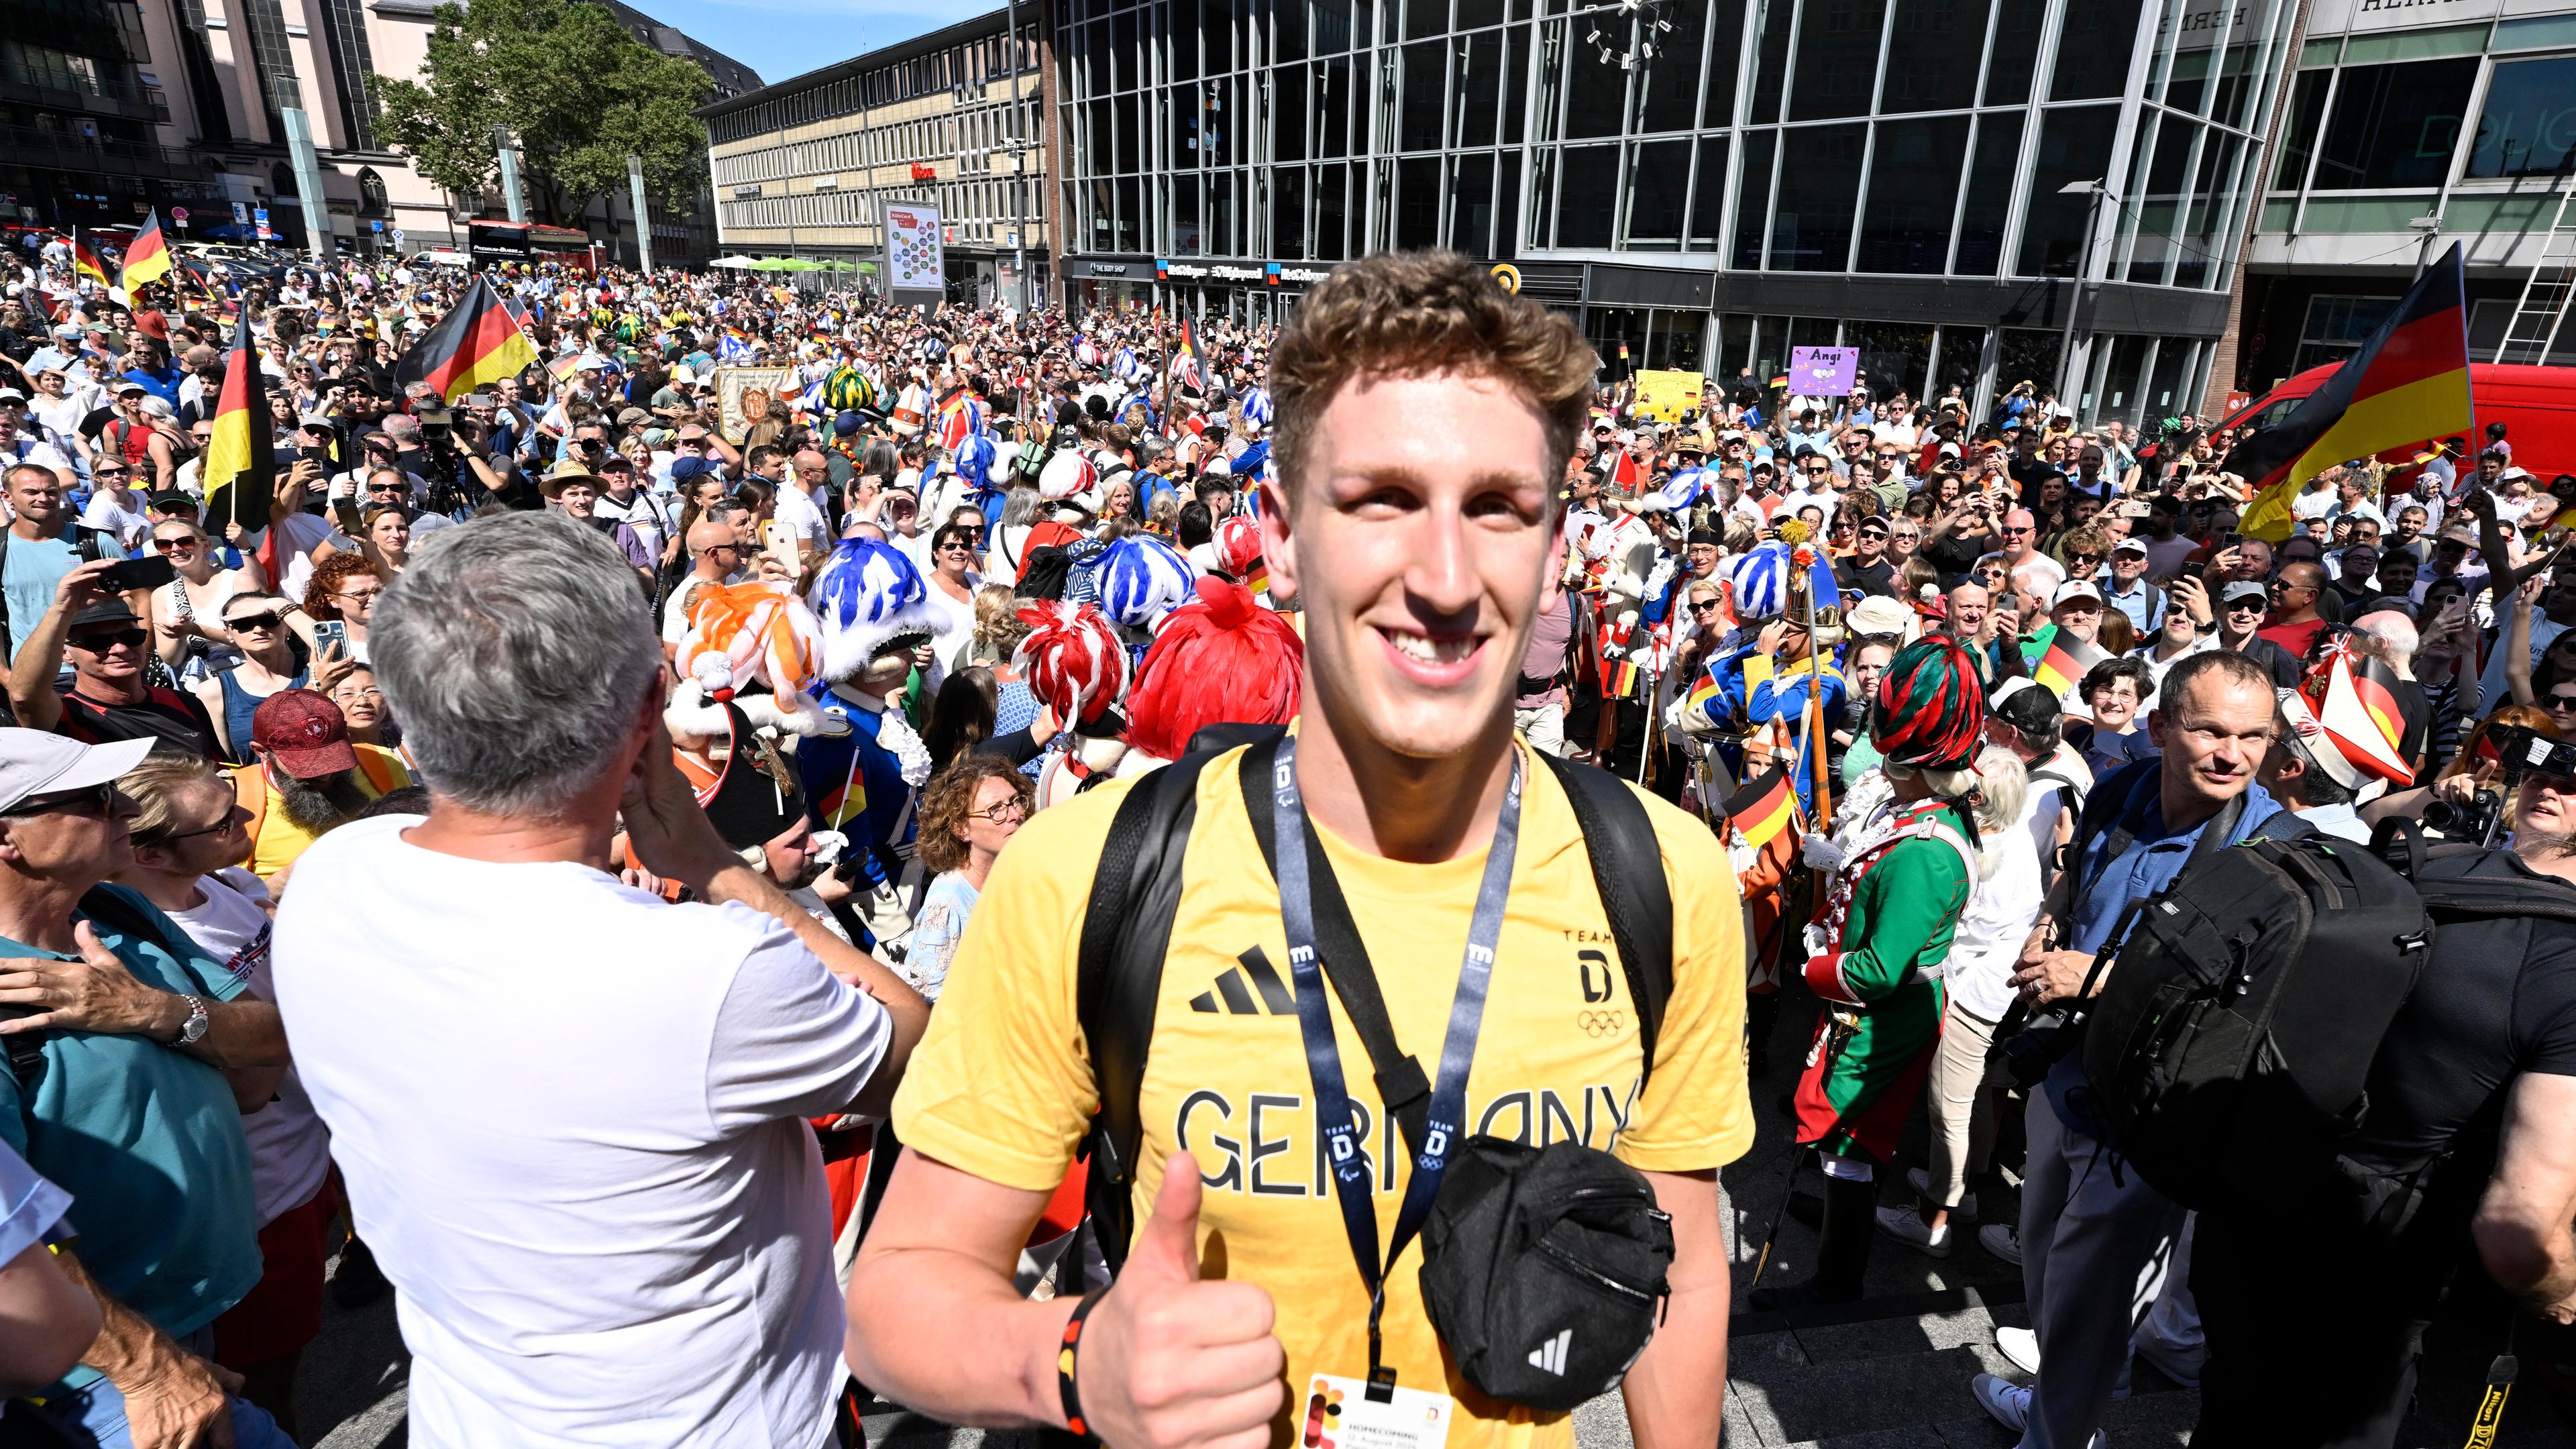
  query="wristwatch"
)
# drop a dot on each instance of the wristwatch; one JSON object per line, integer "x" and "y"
{"x": 195, "y": 1029}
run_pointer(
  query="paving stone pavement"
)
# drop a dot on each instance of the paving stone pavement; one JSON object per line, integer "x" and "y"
{"x": 1896, "y": 1379}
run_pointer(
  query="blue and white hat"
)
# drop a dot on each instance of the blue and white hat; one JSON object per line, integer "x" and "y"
{"x": 1128, "y": 368}
{"x": 868, "y": 596}
{"x": 1256, "y": 406}
{"x": 1679, "y": 492}
{"x": 1142, "y": 579}
{"x": 974, "y": 459}
{"x": 1768, "y": 585}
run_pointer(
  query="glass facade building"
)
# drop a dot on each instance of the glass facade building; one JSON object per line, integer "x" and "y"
{"x": 1707, "y": 185}
{"x": 2410, "y": 128}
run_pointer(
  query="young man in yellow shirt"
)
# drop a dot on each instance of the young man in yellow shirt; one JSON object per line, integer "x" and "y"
{"x": 1424, "y": 419}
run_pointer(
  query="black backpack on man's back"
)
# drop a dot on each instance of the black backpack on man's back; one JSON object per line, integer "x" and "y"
{"x": 2229, "y": 1049}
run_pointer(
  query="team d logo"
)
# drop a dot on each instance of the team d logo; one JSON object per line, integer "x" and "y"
{"x": 1595, "y": 971}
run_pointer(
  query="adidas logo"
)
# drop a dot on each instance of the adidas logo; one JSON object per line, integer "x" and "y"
{"x": 1551, "y": 1354}
{"x": 1238, "y": 996}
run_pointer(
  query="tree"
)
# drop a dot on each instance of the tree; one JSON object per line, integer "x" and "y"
{"x": 578, "y": 92}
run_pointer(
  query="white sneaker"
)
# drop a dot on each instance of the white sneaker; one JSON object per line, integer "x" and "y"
{"x": 1964, "y": 1213}
{"x": 2003, "y": 1240}
{"x": 2021, "y": 1346}
{"x": 1905, "y": 1225}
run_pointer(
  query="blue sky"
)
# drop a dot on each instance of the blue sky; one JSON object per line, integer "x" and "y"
{"x": 781, "y": 38}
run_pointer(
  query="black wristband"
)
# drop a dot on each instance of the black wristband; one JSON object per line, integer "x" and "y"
{"x": 1066, "y": 1358}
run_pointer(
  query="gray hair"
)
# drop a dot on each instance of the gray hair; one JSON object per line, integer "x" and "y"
{"x": 516, "y": 650}
{"x": 2003, "y": 786}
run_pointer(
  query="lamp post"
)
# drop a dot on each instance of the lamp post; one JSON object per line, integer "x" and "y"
{"x": 2075, "y": 293}
{"x": 2431, "y": 227}
{"x": 1020, "y": 293}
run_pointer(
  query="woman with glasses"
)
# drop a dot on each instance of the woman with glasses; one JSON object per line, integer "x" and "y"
{"x": 969, "y": 811}
{"x": 187, "y": 612}
{"x": 271, "y": 657}
{"x": 371, "y": 721}
{"x": 951, "y": 593}
{"x": 345, "y": 586}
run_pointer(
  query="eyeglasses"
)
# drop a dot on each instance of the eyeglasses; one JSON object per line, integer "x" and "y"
{"x": 1702, "y": 606}
{"x": 2560, "y": 703}
{"x": 233, "y": 820}
{"x": 103, "y": 473}
{"x": 355, "y": 595}
{"x": 100, "y": 643}
{"x": 99, "y": 799}
{"x": 2245, "y": 606}
{"x": 1002, "y": 814}
{"x": 2011, "y": 530}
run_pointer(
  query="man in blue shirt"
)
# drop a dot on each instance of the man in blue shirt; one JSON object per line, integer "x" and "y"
{"x": 2096, "y": 1244}
{"x": 145, "y": 1055}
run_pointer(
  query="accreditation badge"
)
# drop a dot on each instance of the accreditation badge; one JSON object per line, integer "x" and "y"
{"x": 1341, "y": 1415}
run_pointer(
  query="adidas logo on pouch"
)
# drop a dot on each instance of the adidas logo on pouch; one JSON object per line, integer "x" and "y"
{"x": 1551, "y": 1354}
{"x": 1233, "y": 997}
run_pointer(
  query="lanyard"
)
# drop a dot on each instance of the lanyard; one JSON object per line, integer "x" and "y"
{"x": 1443, "y": 1124}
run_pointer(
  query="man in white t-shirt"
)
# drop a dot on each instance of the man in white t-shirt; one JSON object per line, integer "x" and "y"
{"x": 799, "y": 500}
{"x": 567, "y": 1110}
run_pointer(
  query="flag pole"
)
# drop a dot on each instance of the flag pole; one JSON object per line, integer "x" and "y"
{"x": 1814, "y": 722}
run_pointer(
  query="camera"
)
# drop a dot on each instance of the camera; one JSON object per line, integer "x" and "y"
{"x": 2480, "y": 821}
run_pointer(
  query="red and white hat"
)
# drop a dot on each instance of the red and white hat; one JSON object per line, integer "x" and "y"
{"x": 1238, "y": 546}
{"x": 1072, "y": 658}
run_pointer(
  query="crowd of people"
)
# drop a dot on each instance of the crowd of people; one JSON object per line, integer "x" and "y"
{"x": 542, "y": 859}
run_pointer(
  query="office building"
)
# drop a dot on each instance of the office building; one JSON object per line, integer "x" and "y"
{"x": 88, "y": 136}
{"x": 1706, "y": 185}
{"x": 950, "y": 119}
{"x": 2411, "y": 127}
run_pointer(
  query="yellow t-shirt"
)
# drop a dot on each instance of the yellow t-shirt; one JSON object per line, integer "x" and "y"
{"x": 1002, "y": 1086}
{"x": 277, "y": 841}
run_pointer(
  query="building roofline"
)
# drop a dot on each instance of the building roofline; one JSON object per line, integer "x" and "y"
{"x": 975, "y": 27}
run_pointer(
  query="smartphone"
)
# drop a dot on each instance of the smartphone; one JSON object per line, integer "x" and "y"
{"x": 2230, "y": 539}
{"x": 139, "y": 573}
{"x": 327, "y": 632}
{"x": 778, "y": 536}
{"x": 2135, "y": 508}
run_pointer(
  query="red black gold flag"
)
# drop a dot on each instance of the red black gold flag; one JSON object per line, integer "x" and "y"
{"x": 240, "y": 472}
{"x": 476, "y": 342}
{"x": 2408, "y": 383}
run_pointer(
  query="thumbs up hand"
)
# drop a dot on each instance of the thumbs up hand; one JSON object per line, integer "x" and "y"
{"x": 1169, "y": 1362}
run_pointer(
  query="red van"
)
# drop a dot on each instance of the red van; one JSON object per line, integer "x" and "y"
{"x": 2537, "y": 405}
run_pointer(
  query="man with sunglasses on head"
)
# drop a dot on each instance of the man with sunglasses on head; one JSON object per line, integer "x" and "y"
{"x": 133, "y": 1055}
{"x": 110, "y": 697}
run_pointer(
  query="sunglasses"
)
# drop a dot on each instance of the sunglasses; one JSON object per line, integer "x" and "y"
{"x": 2084, "y": 558}
{"x": 100, "y": 643}
{"x": 2245, "y": 606}
{"x": 233, "y": 820}
{"x": 2560, "y": 703}
{"x": 97, "y": 799}
{"x": 266, "y": 623}
{"x": 2011, "y": 531}
{"x": 173, "y": 545}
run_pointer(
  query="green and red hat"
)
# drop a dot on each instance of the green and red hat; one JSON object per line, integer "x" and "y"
{"x": 1931, "y": 711}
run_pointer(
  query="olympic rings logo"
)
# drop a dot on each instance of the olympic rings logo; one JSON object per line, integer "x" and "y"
{"x": 1601, "y": 1023}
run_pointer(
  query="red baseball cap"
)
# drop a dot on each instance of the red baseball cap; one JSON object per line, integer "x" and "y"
{"x": 305, "y": 733}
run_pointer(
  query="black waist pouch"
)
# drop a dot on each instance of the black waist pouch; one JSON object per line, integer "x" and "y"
{"x": 1543, "y": 1269}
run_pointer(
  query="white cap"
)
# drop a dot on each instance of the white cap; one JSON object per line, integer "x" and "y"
{"x": 40, "y": 762}
{"x": 2131, "y": 544}
{"x": 2075, "y": 589}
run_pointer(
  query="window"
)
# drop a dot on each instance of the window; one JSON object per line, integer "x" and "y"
{"x": 1770, "y": 56}
{"x": 1837, "y": 58}
{"x": 2529, "y": 124}
{"x": 2337, "y": 326}
{"x": 1590, "y": 187}
{"x": 1708, "y": 194}
{"x": 2074, "y": 145}
{"x": 1658, "y": 180}
{"x": 2299, "y": 137}
{"x": 1811, "y": 223}
{"x": 2015, "y": 51}
{"x": 1981, "y": 221}
{"x": 1671, "y": 81}
{"x": 1471, "y": 205}
{"x": 372, "y": 200}
{"x": 1596, "y": 94}
{"x": 2395, "y": 125}
{"x": 1417, "y": 198}
{"x": 1426, "y": 75}
{"x": 1753, "y": 200}
{"x": 2093, "y": 49}
{"x": 1932, "y": 63}
{"x": 1908, "y": 224}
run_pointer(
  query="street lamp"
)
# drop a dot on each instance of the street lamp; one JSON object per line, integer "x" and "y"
{"x": 2075, "y": 293}
{"x": 2431, "y": 227}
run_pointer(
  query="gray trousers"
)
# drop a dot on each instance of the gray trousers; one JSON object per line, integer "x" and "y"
{"x": 2096, "y": 1244}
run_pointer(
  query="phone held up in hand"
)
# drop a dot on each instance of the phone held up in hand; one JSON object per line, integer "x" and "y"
{"x": 328, "y": 632}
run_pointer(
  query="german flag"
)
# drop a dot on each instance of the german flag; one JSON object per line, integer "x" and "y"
{"x": 1702, "y": 693}
{"x": 147, "y": 257}
{"x": 240, "y": 473}
{"x": 476, "y": 342}
{"x": 2409, "y": 382}
{"x": 1764, "y": 807}
{"x": 1188, "y": 371}
{"x": 85, "y": 262}
{"x": 2059, "y": 660}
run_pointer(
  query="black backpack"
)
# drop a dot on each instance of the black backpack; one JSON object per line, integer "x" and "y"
{"x": 2229, "y": 1051}
{"x": 1127, "y": 928}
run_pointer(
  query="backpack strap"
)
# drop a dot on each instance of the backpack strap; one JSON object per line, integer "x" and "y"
{"x": 1617, "y": 835}
{"x": 26, "y": 1049}
{"x": 1126, "y": 928}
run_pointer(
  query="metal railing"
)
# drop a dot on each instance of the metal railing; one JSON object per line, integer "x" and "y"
{"x": 64, "y": 85}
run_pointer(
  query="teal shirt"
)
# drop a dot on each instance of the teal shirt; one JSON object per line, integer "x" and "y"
{"x": 28, "y": 581}
{"x": 148, "y": 1142}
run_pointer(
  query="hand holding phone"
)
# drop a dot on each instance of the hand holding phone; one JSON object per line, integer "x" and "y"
{"x": 778, "y": 537}
{"x": 126, "y": 575}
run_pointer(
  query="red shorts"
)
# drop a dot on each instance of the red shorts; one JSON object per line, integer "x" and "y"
{"x": 283, "y": 1311}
